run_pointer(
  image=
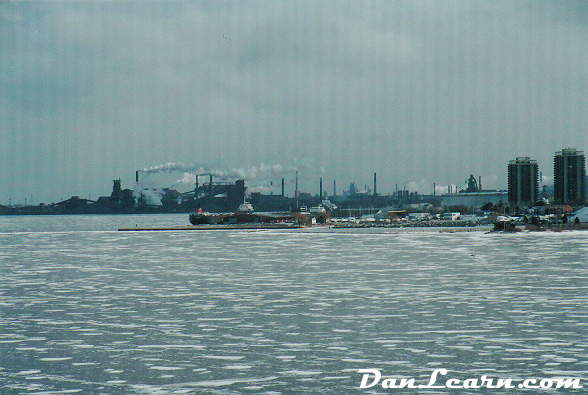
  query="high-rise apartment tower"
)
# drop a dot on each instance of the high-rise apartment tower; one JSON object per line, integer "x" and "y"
{"x": 569, "y": 177}
{"x": 523, "y": 182}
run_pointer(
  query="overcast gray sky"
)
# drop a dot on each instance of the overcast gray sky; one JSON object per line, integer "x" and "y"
{"x": 418, "y": 91}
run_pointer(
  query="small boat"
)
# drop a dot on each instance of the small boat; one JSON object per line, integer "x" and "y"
{"x": 505, "y": 224}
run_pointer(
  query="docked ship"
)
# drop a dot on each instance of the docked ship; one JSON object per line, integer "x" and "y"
{"x": 245, "y": 214}
{"x": 203, "y": 218}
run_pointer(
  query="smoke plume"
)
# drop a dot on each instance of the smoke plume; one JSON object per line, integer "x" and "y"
{"x": 258, "y": 172}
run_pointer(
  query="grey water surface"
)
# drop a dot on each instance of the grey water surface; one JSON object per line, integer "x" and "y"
{"x": 87, "y": 309}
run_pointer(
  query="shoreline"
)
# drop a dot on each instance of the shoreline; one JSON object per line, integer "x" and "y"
{"x": 325, "y": 227}
{"x": 212, "y": 227}
{"x": 488, "y": 229}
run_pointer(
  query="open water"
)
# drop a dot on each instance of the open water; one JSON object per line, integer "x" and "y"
{"x": 87, "y": 309}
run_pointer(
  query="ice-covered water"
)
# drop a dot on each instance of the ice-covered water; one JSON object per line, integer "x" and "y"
{"x": 87, "y": 309}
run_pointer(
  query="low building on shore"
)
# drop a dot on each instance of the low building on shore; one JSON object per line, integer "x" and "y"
{"x": 474, "y": 199}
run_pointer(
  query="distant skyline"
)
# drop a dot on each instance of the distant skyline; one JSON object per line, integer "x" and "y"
{"x": 420, "y": 92}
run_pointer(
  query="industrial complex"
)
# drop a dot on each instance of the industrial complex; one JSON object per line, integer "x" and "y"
{"x": 524, "y": 196}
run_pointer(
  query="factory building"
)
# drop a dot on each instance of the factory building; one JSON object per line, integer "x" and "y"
{"x": 523, "y": 182}
{"x": 474, "y": 199}
{"x": 216, "y": 196}
{"x": 569, "y": 175}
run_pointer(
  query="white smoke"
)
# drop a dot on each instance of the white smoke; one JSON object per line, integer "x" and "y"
{"x": 152, "y": 196}
{"x": 258, "y": 175}
{"x": 187, "y": 179}
{"x": 263, "y": 170}
{"x": 191, "y": 170}
{"x": 170, "y": 167}
{"x": 443, "y": 189}
{"x": 423, "y": 187}
{"x": 262, "y": 189}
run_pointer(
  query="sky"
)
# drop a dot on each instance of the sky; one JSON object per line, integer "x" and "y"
{"x": 420, "y": 92}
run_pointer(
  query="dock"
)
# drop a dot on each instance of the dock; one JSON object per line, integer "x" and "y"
{"x": 214, "y": 227}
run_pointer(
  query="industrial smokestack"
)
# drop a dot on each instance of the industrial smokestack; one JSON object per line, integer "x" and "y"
{"x": 211, "y": 187}
{"x": 282, "y": 187}
{"x": 375, "y": 185}
{"x": 296, "y": 190}
{"x": 196, "y": 188}
{"x": 137, "y": 176}
{"x": 434, "y": 187}
{"x": 321, "y": 190}
{"x": 334, "y": 187}
{"x": 479, "y": 183}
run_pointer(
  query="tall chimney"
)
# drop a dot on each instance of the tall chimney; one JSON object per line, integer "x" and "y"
{"x": 479, "y": 183}
{"x": 334, "y": 187}
{"x": 137, "y": 176}
{"x": 296, "y": 190}
{"x": 211, "y": 187}
{"x": 321, "y": 190}
{"x": 282, "y": 187}
{"x": 434, "y": 189}
{"x": 375, "y": 185}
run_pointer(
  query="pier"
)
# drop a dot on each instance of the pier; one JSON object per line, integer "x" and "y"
{"x": 213, "y": 227}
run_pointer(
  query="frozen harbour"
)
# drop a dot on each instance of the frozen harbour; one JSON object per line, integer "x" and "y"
{"x": 87, "y": 309}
